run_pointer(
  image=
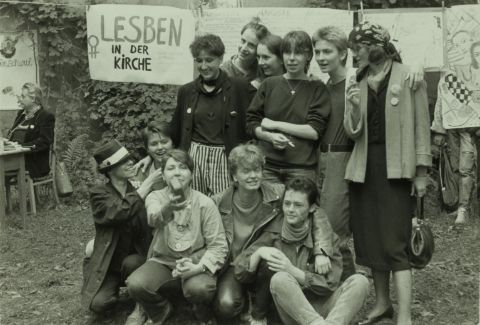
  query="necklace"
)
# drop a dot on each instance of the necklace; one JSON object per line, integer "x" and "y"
{"x": 293, "y": 90}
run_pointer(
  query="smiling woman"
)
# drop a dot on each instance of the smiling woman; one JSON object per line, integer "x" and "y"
{"x": 209, "y": 119}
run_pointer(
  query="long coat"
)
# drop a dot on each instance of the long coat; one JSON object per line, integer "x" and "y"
{"x": 39, "y": 136}
{"x": 111, "y": 212}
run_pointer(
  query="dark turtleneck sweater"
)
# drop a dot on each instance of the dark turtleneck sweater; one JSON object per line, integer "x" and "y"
{"x": 208, "y": 118}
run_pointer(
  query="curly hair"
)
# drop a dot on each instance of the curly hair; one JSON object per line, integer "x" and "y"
{"x": 212, "y": 44}
{"x": 303, "y": 185}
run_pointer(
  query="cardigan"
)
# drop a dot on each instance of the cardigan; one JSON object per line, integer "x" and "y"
{"x": 407, "y": 128}
{"x": 237, "y": 94}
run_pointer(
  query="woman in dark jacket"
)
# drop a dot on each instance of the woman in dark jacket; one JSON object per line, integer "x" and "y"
{"x": 122, "y": 236}
{"x": 209, "y": 119}
{"x": 249, "y": 208}
{"x": 34, "y": 128}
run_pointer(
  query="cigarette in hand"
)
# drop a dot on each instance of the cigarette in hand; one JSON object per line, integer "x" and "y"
{"x": 290, "y": 143}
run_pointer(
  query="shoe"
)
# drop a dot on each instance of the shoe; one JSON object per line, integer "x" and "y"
{"x": 262, "y": 321}
{"x": 461, "y": 216}
{"x": 137, "y": 317}
{"x": 386, "y": 314}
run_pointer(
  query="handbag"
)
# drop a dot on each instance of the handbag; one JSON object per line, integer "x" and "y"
{"x": 64, "y": 186}
{"x": 421, "y": 245}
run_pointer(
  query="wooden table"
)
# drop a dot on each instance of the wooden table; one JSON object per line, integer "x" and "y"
{"x": 13, "y": 161}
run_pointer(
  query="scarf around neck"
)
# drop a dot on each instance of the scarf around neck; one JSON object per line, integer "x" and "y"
{"x": 292, "y": 234}
{"x": 217, "y": 83}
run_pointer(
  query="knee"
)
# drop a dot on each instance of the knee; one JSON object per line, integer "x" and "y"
{"x": 279, "y": 280}
{"x": 102, "y": 303}
{"x": 359, "y": 283}
{"x": 229, "y": 306}
{"x": 137, "y": 285}
{"x": 131, "y": 263}
{"x": 198, "y": 291}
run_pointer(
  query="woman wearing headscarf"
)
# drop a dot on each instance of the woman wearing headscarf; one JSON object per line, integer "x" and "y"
{"x": 389, "y": 123}
{"x": 34, "y": 128}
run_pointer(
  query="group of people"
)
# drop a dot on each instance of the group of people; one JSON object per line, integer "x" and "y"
{"x": 247, "y": 199}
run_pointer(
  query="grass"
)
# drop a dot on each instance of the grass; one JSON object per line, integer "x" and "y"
{"x": 40, "y": 272}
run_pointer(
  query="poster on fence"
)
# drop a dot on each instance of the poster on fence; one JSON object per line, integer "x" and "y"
{"x": 148, "y": 44}
{"x": 416, "y": 33}
{"x": 462, "y": 80}
{"x": 18, "y": 65}
{"x": 228, "y": 22}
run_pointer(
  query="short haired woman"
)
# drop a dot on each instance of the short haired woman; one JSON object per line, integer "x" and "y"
{"x": 382, "y": 112}
{"x": 289, "y": 114}
{"x": 248, "y": 207}
{"x": 244, "y": 64}
{"x": 189, "y": 245}
{"x": 209, "y": 119}
{"x": 122, "y": 236}
{"x": 34, "y": 127}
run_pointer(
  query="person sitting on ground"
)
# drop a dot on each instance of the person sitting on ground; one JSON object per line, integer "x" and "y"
{"x": 34, "y": 128}
{"x": 249, "y": 207}
{"x": 122, "y": 237}
{"x": 285, "y": 262}
{"x": 188, "y": 248}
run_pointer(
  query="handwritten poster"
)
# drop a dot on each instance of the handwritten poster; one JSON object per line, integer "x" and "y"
{"x": 18, "y": 65}
{"x": 147, "y": 44}
{"x": 463, "y": 64}
{"x": 227, "y": 23}
{"x": 416, "y": 33}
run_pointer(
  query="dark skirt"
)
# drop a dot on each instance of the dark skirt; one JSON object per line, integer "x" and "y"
{"x": 381, "y": 216}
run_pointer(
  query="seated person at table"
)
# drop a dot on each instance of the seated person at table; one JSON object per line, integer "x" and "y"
{"x": 122, "y": 236}
{"x": 157, "y": 140}
{"x": 287, "y": 263}
{"x": 188, "y": 247}
{"x": 34, "y": 128}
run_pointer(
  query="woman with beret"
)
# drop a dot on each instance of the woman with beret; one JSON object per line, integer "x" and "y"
{"x": 389, "y": 123}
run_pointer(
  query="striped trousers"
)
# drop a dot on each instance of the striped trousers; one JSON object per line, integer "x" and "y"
{"x": 210, "y": 175}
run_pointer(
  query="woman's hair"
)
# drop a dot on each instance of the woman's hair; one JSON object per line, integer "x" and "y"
{"x": 303, "y": 185}
{"x": 378, "y": 54}
{"x": 335, "y": 36}
{"x": 248, "y": 156}
{"x": 475, "y": 63}
{"x": 34, "y": 91}
{"x": 212, "y": 44}
{"x": 260, "y": 30}
{"x": 180, "y": 156}
{"x": 298, "y": 42}
{"x": 155, "y": 128}
{"x": 274, "y": 44}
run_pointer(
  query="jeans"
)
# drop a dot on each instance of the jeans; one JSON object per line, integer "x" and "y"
{"x": 335, "y": 201}
{"x": 149, "y": 284}
{"x": 283, "y": 175}
{"x": 107, "y": 295}
{"x": 462, "y": 145}
{"x": 305, "y": 308}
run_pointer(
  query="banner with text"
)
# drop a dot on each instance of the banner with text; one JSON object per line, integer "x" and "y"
{"x": 18, "y": 65}
{"x": 147, "y": 44}
{"x": 228, "y": 22}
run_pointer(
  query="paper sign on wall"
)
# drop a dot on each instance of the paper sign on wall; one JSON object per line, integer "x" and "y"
{"x": 18, "y": 65}
{"x": 147, "y": 44}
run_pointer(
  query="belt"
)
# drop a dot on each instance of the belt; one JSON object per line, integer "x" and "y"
{"x": 336, "y": 147}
